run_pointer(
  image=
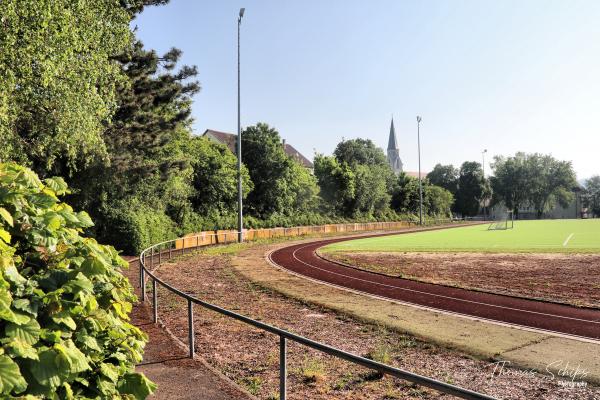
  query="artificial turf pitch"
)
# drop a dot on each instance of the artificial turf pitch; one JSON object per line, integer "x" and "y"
{"x": 544, "y": 236}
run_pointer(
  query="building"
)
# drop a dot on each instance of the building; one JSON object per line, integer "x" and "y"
{"x": 393, "y": 156}
{"x": 556, "y": 211}
{"x": 393, "y": 151}
{"x": 230, "y": 140}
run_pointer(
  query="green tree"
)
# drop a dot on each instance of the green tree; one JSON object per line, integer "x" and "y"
{"x": 337, "y": 184}
{"x": 359, "y": 151}
{"x": 592, "y": 194}
{"x": 275, "y": 176}
{"x": 550, "y": 181}
{"x": 471, "y": 188}
{"x": 437, "y": 201}
{"x": 215, "y": 177}
{"x": 445, "y": 176}
{"x": 58, "y": 80}
{"x": 64, "y": 304}
{"x": 510, "y": 181}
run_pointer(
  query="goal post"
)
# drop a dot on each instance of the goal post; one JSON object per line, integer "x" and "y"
{"x": 504, "y": 223}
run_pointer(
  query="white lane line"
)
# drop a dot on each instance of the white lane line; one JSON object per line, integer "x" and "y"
{"x": 567, "y": 240}
{"x": 434, "y": 294}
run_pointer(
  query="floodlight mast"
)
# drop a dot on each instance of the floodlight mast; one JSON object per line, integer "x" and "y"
{"x": 239, "y": 137}
{"x": 420, "y": 180}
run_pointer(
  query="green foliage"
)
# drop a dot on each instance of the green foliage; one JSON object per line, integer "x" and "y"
{"x": 471, "y": 189}
{"x": 445, "y": 176}
{"x": 532, "y": 179}
{"x": 64, "y": 329}
{"x": 356, "y": 181}
{"x": 215, "y": 177}
{"x": 280, "y": 184}
{"x": 57, "y": 79}
{"x": 436, "y": 200}
{"x": 591, "y": 195}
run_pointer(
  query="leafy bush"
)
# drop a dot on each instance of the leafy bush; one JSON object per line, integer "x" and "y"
{"x": 64, "y": 330}
{"x": 133, "y": 226}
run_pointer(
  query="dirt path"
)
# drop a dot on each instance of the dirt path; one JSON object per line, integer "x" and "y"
{"x": 165, "y": 363}
{"x": 301, "y": 259}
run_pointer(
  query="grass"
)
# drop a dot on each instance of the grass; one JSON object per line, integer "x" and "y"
{"x": 545, "y": 236}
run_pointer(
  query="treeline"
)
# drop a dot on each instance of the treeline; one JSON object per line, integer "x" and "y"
{"x": 536, "y": 181}
{"x": 82, "y": 98}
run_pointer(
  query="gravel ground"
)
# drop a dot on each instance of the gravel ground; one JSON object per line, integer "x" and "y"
{"x": 250, "y": 357}
{"x": 564, "y": 278}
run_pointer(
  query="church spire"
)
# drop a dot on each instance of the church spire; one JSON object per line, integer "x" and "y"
{"x": 392, "y": 142}
{"x": 393, "y": 152}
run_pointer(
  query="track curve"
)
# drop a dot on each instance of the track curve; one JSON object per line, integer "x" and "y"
{"x": 551, "y": 317}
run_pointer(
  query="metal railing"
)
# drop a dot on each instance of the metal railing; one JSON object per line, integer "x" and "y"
{"x": 169, "y": 249}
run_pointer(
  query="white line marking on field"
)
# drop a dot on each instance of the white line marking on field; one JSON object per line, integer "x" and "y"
{"x": 567, "y": 240}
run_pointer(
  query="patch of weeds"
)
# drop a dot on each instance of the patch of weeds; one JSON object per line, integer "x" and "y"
{"x": 252, "y": 384}
{"x": 382, "y": 354}
{"x": 312, "y": 370}
{"x": 407, "y": 342}
{"x": 344, "y": 382}
{"x": 390, "y": 391}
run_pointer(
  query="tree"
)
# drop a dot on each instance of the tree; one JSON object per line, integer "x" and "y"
{"x": 445, "y": 176}
{"x": 357, "y": 180}
{"x": 550, "y": 181}
{"x": 58, "y": 80}
{"x": 275, "y": 176}
{"x": 359, "y": 151}
{"x": 437, "y": 201}
{"x": 592, "y": 194}
{"x": 471, "y": 188}
{"x": 510, "y": 181}
{"x": 406, "y": 199}
{"x": 214, "y": 178}
{"x": 336, "y": 182}
{"x": 537, "y": 180}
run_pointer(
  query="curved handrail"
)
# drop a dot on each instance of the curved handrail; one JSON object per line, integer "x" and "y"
{"x": 283, "y": 334}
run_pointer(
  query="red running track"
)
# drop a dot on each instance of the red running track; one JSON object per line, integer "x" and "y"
{"x": 552, "y": 317}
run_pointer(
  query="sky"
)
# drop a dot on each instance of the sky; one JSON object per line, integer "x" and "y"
{"x": 505, "y": 76}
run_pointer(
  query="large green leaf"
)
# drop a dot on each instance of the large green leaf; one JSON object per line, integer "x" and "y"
{"x": 20, "y": 348}
{"x": 11, "y": 379}
{"x": 46, "y": 370}
{"x": 137, "y": 385}
{"x": 29, "y": 332}
{"x": 6, "y": 216}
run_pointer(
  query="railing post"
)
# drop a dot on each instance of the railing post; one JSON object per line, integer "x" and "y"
{"x": 191, "y": 328}
{"x": 152, "y": 257}
{"x": 282, "y": 368}
{"x": 159, "y": 255}
{"x": 154, "y": 301}
{"x": 141, "y": 277}
{"x": 143, "y": 287}
{"x": 171, "y": 249}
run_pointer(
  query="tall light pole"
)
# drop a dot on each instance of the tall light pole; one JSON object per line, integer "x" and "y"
{"x": 420, "y": 180}
{"x": 239, "y": 137}
{"x": 485, "y": 186}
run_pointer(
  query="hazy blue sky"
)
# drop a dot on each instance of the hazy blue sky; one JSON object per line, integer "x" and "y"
{"x": 503, "y": 75}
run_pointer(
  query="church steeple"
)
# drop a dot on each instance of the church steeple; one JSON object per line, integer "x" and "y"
{"x": 393, "y": 152}
{"x": 392, "y": 142}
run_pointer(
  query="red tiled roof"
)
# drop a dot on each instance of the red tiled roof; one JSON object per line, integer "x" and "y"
{"x": 415, "y": 174}
{"x": 230, "y": 140}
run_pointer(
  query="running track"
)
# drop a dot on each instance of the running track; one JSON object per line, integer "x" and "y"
{"x": 302, "y": 259}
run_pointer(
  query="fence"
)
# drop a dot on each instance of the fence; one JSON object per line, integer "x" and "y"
{"x": 169, "y": 249}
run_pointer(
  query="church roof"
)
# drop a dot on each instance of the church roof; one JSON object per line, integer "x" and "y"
{"x": 230, "y": 140}
{"x": 392, "y": 142}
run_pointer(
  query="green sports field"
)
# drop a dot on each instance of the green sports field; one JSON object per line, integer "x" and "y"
{"x": 564, "y": 236}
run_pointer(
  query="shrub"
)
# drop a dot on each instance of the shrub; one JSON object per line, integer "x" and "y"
{"x": 64, "y": 328}
{"x": 133, "y": 225}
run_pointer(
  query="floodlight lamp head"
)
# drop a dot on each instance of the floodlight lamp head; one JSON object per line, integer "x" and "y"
{"x": 242, "y": 12}
{"x": 418, "y": 119}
